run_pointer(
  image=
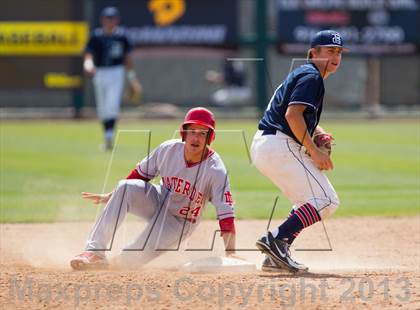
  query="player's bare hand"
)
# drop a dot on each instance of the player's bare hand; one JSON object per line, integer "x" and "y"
{"x": 97, "y": 198}
{"x": 233, "y": 255}
{"x": 322, "y": 160}
{"x": 89, "y": 66}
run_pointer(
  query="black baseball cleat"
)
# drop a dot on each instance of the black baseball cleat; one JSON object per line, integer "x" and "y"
{"x": 269, "y": 265}
{"x": 279, "y": 252}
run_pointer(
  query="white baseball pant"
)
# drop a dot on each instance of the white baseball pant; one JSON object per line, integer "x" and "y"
{"x": 286, "y": 164}
{"x": 108, "y": 84}
{"x": 148, "y": 201}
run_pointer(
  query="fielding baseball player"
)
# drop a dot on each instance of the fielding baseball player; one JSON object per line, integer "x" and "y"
{"x": 107, "y": 54}
{"x": 191, "y": 174}
{"x": 292, "y": 150}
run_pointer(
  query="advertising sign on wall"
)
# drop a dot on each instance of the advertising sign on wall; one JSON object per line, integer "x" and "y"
{"x": 377, "y": 27}
{"x": 177, "y": 22}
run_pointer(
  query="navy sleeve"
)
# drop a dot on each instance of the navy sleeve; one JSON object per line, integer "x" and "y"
{"x": 90, "y": 47}
{"x": 128, "y": 45}
{"x": 306, "y": 91}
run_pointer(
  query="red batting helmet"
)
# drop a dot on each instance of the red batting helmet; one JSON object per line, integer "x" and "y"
{"x": 200, "y": 116}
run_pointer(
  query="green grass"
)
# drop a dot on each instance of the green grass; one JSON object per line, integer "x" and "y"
{"x": 46, "y": 164}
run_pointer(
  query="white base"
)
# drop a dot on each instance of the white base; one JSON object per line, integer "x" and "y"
{"x": 218, "y": 264}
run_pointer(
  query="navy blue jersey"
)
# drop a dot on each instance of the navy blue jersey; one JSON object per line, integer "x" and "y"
{"x": 303, "y": 86}
{"x": 108, "y": 49}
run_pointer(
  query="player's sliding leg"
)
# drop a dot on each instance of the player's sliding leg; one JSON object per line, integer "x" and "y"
{"x": 162, "y": 234}
{"x": 133, "y": 196}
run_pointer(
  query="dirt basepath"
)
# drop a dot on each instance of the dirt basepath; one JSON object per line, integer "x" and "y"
{"x": 374, "y": 263}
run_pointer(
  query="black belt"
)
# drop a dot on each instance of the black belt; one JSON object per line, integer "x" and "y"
{"x": 267, "y": 132}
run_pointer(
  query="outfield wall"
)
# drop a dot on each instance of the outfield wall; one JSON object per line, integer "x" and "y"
{"x": 178, "y": 77}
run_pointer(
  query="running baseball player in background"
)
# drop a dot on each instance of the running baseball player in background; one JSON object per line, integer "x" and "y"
{"x": 107, "y": 55}
{"x": 292, "y": 150}
{"x": 191, "y": 175}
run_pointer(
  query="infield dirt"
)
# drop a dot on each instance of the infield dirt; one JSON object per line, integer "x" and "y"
{"x": 372, "y": 263}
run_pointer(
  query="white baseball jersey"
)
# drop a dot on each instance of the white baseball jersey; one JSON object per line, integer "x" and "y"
{"x": 190, "y": 186}
{"x": 172, "y": 209}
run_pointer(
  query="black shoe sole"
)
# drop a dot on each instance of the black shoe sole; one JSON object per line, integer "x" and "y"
{"x": 273, "y": 269}
{"x": 264, "y": 248}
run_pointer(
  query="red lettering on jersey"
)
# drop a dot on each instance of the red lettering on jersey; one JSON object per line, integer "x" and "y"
{"x": 192, "y": 196}
{"x": 164, "y": 183}
{"x": 178, "y": 185}
{"x": 199, "y": 199}
{"x": 168, "y": 183}
{"x": 196, "y": 212}
{"x": 186, "y": 190}
{"x": 173, "y": 181}
{"x": 228, "y": 198}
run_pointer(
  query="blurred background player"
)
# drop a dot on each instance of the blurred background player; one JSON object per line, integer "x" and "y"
{"x": 191, "y": 175}
{"x": 290, "y": 122}
{"x": 233, "y": 79}
{"x": 106, "y": 59}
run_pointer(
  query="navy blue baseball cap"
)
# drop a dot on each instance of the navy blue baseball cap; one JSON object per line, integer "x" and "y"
{"x": 110, "y": 11}
{"x": 327, "y": 38}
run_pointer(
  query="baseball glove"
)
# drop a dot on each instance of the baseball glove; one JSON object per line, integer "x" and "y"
{"x": 133, "y": 93}
{"x": 324, "y": 142}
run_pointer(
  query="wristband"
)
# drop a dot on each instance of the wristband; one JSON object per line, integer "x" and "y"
{"x": 88, "y": 65}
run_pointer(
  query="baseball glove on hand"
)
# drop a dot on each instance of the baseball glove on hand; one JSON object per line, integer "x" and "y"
{"x": 324, "y": 142}
{"x": 133, "y": 92}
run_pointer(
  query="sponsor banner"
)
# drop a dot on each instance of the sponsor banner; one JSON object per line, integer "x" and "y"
{"x": 62, "y": 80}
{"x": 178, "y": 22}
{"x": 376, "y": 27}
{"x": 42, "y": 38}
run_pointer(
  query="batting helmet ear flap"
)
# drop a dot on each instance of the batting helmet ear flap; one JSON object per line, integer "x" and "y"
{"x": 200, "y": 116}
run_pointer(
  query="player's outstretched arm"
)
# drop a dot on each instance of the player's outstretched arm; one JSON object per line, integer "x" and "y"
{"x": 229, "y": 240}
{"x": 97, "y": 198}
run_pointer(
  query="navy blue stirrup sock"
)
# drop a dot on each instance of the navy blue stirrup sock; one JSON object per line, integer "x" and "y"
{"x": 298, "y": 219}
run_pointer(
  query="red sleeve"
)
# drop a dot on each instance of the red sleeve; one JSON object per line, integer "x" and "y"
{"x": 134, "y": 174}
{"x": 227, "y": 225}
